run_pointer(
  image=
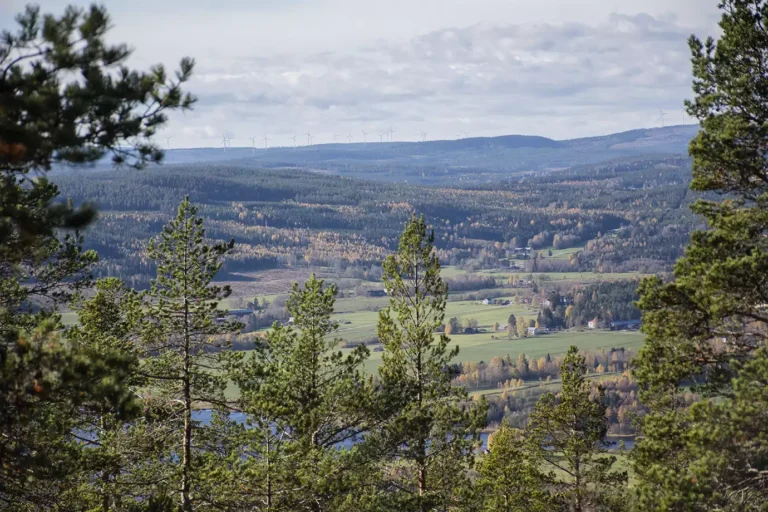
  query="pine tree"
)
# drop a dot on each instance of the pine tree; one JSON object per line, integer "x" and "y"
{"x": 181, "y": 337}
{"x": 704, "y": 327}
{"x": 61, "y": 101}
{"x": 510, "y": 476}
{"x": 306, "y": 400}
{"x": 432, "y": 434}
{"x": 572, "y": 426}
{"x": 65, "y": 96}
{"x": 108, "y": 326}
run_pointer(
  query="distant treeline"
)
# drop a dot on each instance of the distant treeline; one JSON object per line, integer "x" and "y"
{"x": 627, "y": 216}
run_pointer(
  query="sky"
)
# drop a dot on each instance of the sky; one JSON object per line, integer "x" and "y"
{"x": 555, "y": 68}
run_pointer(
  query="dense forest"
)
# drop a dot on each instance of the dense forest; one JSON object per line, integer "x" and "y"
{"x": 292, "y": 218}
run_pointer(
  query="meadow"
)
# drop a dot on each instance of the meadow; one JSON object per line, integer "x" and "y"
{"x": 481, "y": 347}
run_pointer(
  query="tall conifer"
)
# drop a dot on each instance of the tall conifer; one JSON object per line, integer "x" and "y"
{"x": 433, "y": 432}
{"x": 182, "y": 338}
{"x": 710, "y": 324}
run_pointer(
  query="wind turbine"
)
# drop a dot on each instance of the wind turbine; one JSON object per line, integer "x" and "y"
{"x": 335, "y": 136}
{"x": 224, "y": 141}
{"x": 294, "y": 142}
{"x": 168, "y": 141}
{"x": 253, "y": 144}
{"x": 685, "y": 114}
{"x": 661, "y": 117}
{"x": 423, "y": 136}
{"x": 365, "y": 137}
{"x": 391, "y": 131}
{"x": 266, "y": 141}
{"x": 458, "y": 135}
{"x": 309, "y": 139}
{"x": 381, "y": 136}
{"x": 349, "y": 137}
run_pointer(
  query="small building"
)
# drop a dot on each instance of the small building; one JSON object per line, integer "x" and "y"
{"x": 592, "y": 324}
{"x": 533, "y": 331}
{"x": 625, "y": 325}
{"x": 545, "y": 303}
{"x": 489, "y": 301}
{"x": 376, "y": 293}
{"x": 239, "y": 312}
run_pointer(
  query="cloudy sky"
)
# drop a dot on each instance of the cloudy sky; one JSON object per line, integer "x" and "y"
{"x": 557, "y": 68}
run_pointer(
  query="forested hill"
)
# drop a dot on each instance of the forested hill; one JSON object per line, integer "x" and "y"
{"x": 447, "y": 162}
{"x": 625, "y": 215}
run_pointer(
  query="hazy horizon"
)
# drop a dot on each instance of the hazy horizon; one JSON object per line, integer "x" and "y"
{"x": 479, "y": 69}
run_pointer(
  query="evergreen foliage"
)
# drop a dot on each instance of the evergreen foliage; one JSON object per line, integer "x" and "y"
{"x": 572, "y": 427}
{"x": 707, "y": 327}
{"x": 305, "y": 400}
{"x": 432, "y": 435}
{"x": 59, "y": 102}
{"x": 180, "y": 329}
{"x": 511, "y": 478}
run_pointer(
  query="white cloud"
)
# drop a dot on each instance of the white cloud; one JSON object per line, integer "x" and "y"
{"x": 557, "y": 79}
{"x": 558, "y": 68}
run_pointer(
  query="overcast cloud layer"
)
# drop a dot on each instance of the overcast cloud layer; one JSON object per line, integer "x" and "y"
{"x": 560, "y": 68}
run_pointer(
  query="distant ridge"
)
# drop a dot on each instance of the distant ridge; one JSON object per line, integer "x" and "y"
{"x": 487, "y": 159}
{"x": 664, "y": 136}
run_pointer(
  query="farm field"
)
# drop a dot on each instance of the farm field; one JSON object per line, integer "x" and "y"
{"x": 480, "y": 347}
{"x": 503, "y": 275}
{"x": 357, "y": 324}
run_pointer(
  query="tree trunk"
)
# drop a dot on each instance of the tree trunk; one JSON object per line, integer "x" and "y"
{"x": 422, "y": 478}
{"x": 577, "y": 472}
{"x": 269, "y": 474}
{"x": 186, "y": 461}
{"x": 105, "y": 476}
{"x": 422, "y": 442}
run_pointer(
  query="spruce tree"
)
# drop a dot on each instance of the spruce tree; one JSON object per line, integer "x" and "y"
{"x": 182, "y": 339}
{"x": 705, "y": 327}
{"x": 572, "y": 426}
{"x": 432, "y": 433}
{"x": 309, "y": 409}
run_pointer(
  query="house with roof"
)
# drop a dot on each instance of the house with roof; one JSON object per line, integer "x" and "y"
{"x": 625, "y": 325}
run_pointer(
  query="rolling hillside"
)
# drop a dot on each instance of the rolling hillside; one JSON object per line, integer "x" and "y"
{"x": 469, "y": 161}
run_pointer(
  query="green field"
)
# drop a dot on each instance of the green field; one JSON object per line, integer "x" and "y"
{"x": 358, "y": 324}
{"x": 502, "y": 275}
{"x": 480, "y": 347}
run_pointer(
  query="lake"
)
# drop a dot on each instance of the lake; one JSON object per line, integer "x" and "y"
{"x": 204, "y": 416}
